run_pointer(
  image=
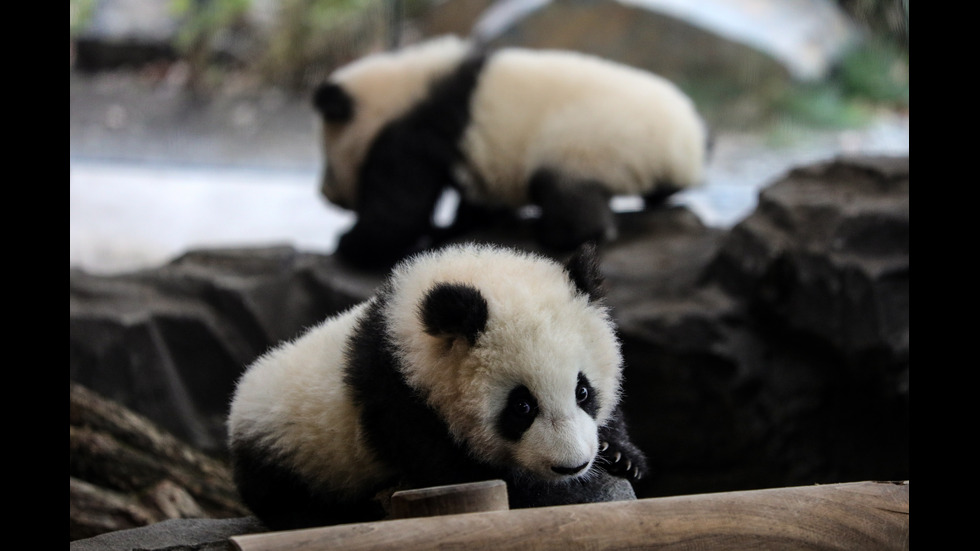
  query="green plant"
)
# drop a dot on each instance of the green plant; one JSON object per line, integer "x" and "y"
{"x": 305, "y": 29}
{"x": 79, "y": 15}
{"x": 316, "y": 35}
{"x": 873, "y": 75}
{"x": 821, "y": 105}
{"x": 297, "y": 37}
{"x": 202, "y": 21}
{"x": 877, "y": 71}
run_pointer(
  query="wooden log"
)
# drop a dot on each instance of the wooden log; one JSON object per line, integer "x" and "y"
{"x": 860, "y": 515}
{"x": 475, "y": 497}
{"x": 126, "y": 472}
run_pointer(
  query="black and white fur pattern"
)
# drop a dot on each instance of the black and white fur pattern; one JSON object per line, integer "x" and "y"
{"x": 560, "y": 130}
{"x": 471, "y": 363}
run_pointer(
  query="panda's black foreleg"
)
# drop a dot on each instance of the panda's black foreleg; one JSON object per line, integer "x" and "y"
{"x": 398, "y": 193}
{"x": 390, "y": 225}
{"x": 573, "y": 211}
{"x": 617, "y": 454}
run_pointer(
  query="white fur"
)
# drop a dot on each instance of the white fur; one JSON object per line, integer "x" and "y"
{"x": 582, "y": 115}
{"x": 295, "y": 398}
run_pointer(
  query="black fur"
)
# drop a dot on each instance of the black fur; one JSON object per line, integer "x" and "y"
{"x": 590, "y": 402}
{"x": 454, "y": 310}
{"x": 572, "y": 211}
{"x": 283, "y": 500}
{"x": 618, "y": 455}
{"x": 583, "y": 268}
{"x": 518, "y": 415}
{"x": 406, "y": 170}
{"x": 399, "y": 426}
{"x": 333, "y": 103}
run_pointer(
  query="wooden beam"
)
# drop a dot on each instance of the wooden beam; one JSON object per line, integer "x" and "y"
{"x": 475, "y": 497}
{"x": 860, "y": 515}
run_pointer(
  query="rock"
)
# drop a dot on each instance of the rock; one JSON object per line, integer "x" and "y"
{"x": 173, "y": 535}
{"x": 827, "y": 254}
{"x": 170, "y": 343}
{"x": 775, "y": 354}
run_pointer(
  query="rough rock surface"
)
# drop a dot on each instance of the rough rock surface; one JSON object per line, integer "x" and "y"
{"x": 771, "y": 354}
{"x": 777, "y": 353}
{"x": 169, "y": 343}
{"x": 173, "y": 535}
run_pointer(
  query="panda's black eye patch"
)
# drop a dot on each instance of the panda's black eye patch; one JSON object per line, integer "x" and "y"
{"x": 586, "y": 396}
{"x": 518, "y": 413}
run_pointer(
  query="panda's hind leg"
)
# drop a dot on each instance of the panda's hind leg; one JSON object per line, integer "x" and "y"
{"x": 573, "y": 211}
{"x": 284, "y": 501}
{"x": 659, "y": 195}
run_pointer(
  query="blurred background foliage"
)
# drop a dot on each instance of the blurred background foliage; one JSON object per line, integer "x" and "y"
{"x": 295, "y": 43}
{"x": 291, "y": 43}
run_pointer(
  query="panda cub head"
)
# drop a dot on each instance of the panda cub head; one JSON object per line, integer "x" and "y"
{"x": 360, "y": 99}
{"x": 524, "y": 375}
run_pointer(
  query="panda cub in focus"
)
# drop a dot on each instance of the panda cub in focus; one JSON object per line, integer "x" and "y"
{"x": 559, "y": 130}
{"x": 471, "y": 363}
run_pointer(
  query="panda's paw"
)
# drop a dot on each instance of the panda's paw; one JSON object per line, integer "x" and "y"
{"x": 622, "y": 459}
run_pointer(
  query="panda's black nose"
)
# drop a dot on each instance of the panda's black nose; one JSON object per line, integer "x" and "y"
{"x": 570, "y": 470}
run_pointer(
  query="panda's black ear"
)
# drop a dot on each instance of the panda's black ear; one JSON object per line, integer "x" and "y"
{"x": 454, "y": 310}
{"x": 583, "y": 269}
{"x": 333, "y": 103}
